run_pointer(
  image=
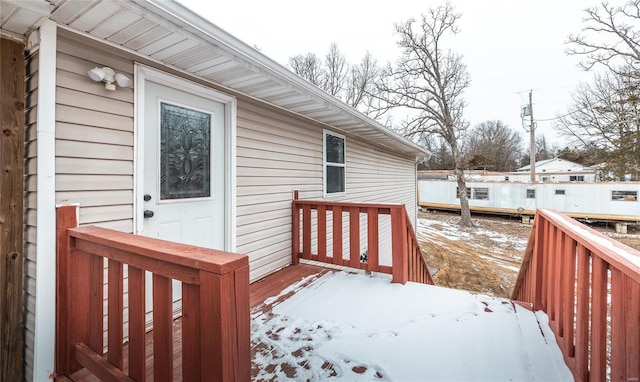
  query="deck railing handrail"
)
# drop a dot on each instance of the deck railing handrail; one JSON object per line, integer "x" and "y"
{"x": 408, "y": 261}
{"x": 589, "y": 286}
{"x": 215, "y": 305}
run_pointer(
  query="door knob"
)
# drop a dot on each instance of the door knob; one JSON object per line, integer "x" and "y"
{"x": 147, "y": 197}
{"x": 148, "y": 213}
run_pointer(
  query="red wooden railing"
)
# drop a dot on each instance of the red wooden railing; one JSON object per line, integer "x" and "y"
{"x": 408, "y": 262}
{"x": 215, "y": 305}
{"x": 589, "y": 286}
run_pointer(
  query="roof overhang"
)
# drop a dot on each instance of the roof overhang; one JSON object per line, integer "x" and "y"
{"x": 170, "y": 34}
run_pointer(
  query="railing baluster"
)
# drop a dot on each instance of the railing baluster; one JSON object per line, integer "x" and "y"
{"x": 96, "y": 304}
{"x": 354, "y": 237}
{"x": 632, "y": 326}
{"x": 295, "y": 233}
{"x": 115, "y": 313}
{"x": 137, "y": 358}
{"x": 598, "y": 319}
{"x": 190, "y": 333}
{"x": 322, "y": 233}
{"x": 582, "y": 315}
{"x": 337, "y": 235}
{"x": 162, "y": 329}
{"x": 306, "y": 232}
{"x": 372, "y": 239}
{"x": 568, "y": 295}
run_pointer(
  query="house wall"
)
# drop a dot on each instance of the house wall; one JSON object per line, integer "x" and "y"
{"x": 277, "y": 152}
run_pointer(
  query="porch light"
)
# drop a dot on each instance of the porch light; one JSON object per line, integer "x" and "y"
{"x": 108, "y": 76}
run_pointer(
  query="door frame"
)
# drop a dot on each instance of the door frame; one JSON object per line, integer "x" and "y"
{"x": 145, "y": 73}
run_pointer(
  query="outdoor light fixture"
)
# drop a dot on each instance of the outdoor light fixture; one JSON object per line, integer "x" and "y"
{"x": 108, "y": 76}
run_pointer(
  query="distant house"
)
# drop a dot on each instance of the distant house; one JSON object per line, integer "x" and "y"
{"x": 156, "y": 122}
{"x": 558, "y": 169}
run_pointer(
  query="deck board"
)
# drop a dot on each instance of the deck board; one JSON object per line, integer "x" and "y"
{"x": 259, "y": 291}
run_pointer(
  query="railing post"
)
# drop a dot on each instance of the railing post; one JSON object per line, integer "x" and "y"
{"x": 400, "y": 264}
{"x": 66, "y": 217}
{"x": 225, "y": 326}
{"x": 295, "y": 228}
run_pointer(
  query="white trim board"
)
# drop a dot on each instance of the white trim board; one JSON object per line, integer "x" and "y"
{"x": 45, "y": 306}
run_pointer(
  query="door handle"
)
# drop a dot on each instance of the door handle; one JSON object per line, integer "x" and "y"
{"x": 148, "y": 214}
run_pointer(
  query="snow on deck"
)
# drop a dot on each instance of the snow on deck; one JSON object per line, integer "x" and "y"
{"x": 353, "y": 327}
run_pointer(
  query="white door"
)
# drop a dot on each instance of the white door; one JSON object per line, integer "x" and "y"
{"x": 184, "y": 170}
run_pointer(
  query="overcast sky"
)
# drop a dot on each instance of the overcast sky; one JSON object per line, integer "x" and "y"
{"x": 509, "y": 46}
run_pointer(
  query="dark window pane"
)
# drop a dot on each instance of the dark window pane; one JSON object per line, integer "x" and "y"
{"x": 335, "y": 149}
{"x": 185, "y": 152}
{"x": 335, "y": 179}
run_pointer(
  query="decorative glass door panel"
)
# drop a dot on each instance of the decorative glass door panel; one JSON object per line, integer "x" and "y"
{"x": 185, "y": 152}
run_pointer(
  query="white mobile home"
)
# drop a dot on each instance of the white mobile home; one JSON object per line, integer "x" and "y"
{"x": 105, "y": 82}
{"x": 611, "y": 201}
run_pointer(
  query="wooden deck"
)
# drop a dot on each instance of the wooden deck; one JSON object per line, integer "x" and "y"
{"x": 260, "y": 291}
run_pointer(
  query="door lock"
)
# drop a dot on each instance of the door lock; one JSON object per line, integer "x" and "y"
{"x": 146, "y": 197}
{"x": 148, "y": 214}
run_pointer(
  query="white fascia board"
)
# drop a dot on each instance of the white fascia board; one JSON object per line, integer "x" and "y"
{"x": 45, "y": 307}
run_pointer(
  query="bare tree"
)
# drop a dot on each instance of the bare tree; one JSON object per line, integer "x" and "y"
{"x": 494, "y": 146}
{"x": 606, "y": 115}
{"x": 336, "y": 69}
{"x": 309, "y": 67}
{"x": 428, "y": 82}
{"x": 440, "y": 158}
{"x": 362, "y": 87}
{"x": 611, "y": 37}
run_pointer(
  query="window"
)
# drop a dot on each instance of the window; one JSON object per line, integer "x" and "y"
{"x": 576, "y": 178}
{"x": 334, "y": 163}
{"x": 477, "y": 193}
{"x": 481, "y": 193}
{"x": 545, "y": 178}
{"x": 629, "y": 196}
{"x": 458, "y": 192}
{"x": 559, "y": 192}
{"x": 506, "y": 178}
{"x": 531, "y": 193}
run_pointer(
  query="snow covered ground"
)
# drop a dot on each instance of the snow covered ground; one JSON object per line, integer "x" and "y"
{"x": 354, "y": 327}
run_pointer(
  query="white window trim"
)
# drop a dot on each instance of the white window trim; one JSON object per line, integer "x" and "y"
{"x": 325, "y": 163}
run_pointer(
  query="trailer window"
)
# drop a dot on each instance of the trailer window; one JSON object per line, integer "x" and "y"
{"x": 481, "y": 193}
{"x": 458, "y": 192}
{"x": 559, "y": 192}
{"x": 531, "y": 194}
{"x": 629, "y": 196}
{"x": 576, "y": 178}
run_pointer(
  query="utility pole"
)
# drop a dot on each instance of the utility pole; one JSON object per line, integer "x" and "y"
{"x": 532, "y": 150}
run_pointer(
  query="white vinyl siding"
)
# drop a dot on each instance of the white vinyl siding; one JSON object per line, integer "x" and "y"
{"x": 94, "y": 138}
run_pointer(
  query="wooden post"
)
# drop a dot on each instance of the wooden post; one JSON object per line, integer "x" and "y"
{"x": 12, "y": 96}
{"x": 400, "y": 264}
{"x": 295, "y": 228}
{"x": 224, "y": 330}
{"x": 66, "y": 218}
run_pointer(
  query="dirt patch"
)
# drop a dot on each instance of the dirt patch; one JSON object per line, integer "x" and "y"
{"x": 486, "y": 258}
